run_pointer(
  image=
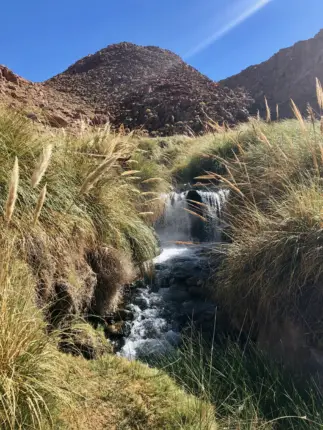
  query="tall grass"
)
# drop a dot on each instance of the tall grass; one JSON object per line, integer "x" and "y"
{"x": 249, "y": 390}
{"x": 273, "y": 265}
{"x": 86, "y": 203}
{"x": 31, "y": 368}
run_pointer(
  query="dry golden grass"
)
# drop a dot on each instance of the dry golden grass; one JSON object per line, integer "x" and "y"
{"x": 87, "y": 204}
{"x": 32, "y": 372}
{"x": 268, "y": 112}
{"x": 40, "y": 203}
{"x": 41, "y": 166}
{"x": 12, "y": 194}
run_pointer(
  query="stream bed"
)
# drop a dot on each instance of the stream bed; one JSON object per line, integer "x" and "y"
{"x": 175, "y": 297}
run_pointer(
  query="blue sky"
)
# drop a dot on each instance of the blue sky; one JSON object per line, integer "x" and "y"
{"x": 40, "y": 38}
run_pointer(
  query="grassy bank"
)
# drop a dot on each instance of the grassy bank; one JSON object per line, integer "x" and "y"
{"x": 78, "y": 210}
{"x": 249, "y": 390}
{"x": 273, "y": 267}
{"x": 42, "y": 388}
{"x": 77, "y": 224}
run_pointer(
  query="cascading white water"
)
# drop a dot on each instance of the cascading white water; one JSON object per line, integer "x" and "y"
{"x": 174, "y": 225}
{"x": 214, "y": 202}
{"x": 159, "y": 309}
{"x": 178, "y": 218}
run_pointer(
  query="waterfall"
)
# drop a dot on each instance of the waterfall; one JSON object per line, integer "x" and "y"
{"x": 179, "y": 223}
{"x": 174, "y": 224}
{"x": 162, "y": 309}
{"x": 214, "y": 202}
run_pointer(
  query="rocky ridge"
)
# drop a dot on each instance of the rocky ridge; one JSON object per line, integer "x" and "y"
{"x": 42, "y": 103}
{"x": 288, "y": 74}
{"x": 150, "y": 88}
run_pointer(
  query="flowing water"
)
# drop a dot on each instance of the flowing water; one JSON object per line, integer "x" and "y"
{"x": 163, "y": 308}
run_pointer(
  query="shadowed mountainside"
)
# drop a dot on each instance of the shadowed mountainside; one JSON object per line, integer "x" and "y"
{"x": 288, "y": 74}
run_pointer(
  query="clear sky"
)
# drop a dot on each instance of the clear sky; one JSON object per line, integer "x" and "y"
{"x": 40, "y": 38}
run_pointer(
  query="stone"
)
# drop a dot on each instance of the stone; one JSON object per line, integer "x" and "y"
{"x": 56, "y": 121}
{"x": 124, "y": 314}
{"x": 8, "y": 75}
{"x": 196, "y": 291}
{"x": 32, "y": 116}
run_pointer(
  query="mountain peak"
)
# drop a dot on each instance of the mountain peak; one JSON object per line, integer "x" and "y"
{"x": 150, "y": 87}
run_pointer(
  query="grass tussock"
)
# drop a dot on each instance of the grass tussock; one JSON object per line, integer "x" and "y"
{"x": 70, "y": 190}
{"x": 72, "y": 231}
{"x": 32, "y": 371}
{"x": 273, "y": 265}
{"x": 249, "y": 390}
{"x": 124, "y": 395}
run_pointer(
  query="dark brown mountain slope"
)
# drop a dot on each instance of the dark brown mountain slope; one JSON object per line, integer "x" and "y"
{"x": 288, "y": 74}
{"x": 151, "y": 88}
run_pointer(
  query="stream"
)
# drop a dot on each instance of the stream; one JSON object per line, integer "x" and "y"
{"x": 189, "y": 228}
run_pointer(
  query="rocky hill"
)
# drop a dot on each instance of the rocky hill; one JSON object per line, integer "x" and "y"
{"x": 288, "y": 74}
{"x": 151, "y": 88}
{"x": 42, "y": 103}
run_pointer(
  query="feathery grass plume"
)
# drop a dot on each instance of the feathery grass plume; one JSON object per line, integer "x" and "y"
{"x": 213, "y": 175}
{"x": 94, "y": 176}
{"x": 264, "y": 139}
{"x": 197, "y": 203}
{"x": 150, "y": 193}
{"x": 12, "y": 195}
{"x": 130, "y": 172}
{"x": 258, "y": 115}
{"x": 277, "y": 112}
{"x": 210, "y": 176}
{"x": 40, "y": 203}
{"x": 268, "y": 113}
{"x": 319, "y": 94}
{"x": 321, "y": 125}
{"x": 148, "y": 181}
{"x": 298, "y": 115}
{"x": 146, "y": 213}
{"x": 195, "y": 214}
{"x": 311, "y": 114}
{"x": 41, "y": 166}
{"x": 133, "y": 178}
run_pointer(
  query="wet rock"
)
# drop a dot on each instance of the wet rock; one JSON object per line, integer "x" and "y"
{"x": 124, "y": 314}
{"x": 193, "y": 281}
{"x": 177, "y": 295}
{"x": 196, "y": 292}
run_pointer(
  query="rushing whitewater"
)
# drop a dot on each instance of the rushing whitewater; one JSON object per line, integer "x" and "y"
{"x": 182, "y": 213}
{"x": 163, "y": 308}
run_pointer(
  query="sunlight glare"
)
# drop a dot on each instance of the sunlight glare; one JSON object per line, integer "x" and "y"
{"x": 252, "y": 8}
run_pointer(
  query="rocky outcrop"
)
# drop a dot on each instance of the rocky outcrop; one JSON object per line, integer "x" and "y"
{"x": 41, "y": 103}
{"x": 150, "y": 88}
{"x": 288, "y": 74}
